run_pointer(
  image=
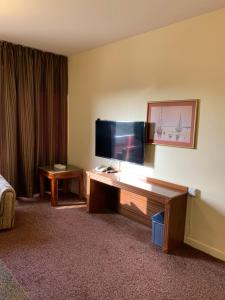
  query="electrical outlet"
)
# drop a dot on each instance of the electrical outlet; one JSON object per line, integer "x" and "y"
{"x": 192, "y": 192}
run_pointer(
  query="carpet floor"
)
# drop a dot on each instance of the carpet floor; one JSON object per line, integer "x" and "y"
{"x": 64, "y": 253}
{"x": 10, "y": 289}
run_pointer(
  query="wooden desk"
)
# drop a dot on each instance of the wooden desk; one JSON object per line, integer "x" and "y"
{"x": 54, "y": 175}
{"x": 111, "y": 191}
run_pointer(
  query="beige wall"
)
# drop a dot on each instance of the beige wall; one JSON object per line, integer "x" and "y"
{"x": 182, "y": 61}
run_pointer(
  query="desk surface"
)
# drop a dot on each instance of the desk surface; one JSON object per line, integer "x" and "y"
{"x": 125, "y": 180}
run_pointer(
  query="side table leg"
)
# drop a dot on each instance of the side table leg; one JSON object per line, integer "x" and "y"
{"x": 42, "y": 186}
{"x": 54, "y": 192}
{"x": 80, "y": 186}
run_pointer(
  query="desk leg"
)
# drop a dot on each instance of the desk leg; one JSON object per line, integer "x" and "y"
{"x": 42, "y": 186}
{"x": 174, "y": 223}
{"x": 166, "y": 228}
{"x": 54, "y": 192}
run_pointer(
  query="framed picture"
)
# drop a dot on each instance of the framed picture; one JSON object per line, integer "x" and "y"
{"x": 172, "y": 123}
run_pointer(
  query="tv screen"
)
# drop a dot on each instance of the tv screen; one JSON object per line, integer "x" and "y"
{"x": 120, "y": 140}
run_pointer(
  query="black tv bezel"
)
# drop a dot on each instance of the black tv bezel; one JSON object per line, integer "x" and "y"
{"x": 144, "y": 141}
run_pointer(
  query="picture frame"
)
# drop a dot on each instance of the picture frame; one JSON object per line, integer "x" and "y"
{"x": 172, "y": 123}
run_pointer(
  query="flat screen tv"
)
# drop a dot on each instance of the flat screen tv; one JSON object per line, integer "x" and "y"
{"x": 120, "y": 140}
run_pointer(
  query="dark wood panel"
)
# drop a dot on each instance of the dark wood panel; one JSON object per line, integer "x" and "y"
{"x": 102, "y": 198}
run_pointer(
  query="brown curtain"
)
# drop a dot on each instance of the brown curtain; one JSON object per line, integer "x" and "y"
{"x": 33, "y": 114}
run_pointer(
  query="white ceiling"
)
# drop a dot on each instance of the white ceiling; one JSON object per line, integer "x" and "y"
{"x": 72, "y": 26}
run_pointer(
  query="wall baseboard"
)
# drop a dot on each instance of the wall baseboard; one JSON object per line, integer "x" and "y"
{"x": 205, "y": 248}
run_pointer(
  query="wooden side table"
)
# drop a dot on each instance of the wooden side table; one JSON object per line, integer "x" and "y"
{"x": 54, "y": 175}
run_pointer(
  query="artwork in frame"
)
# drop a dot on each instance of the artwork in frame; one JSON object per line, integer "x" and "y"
{"x": 172, "y": 123}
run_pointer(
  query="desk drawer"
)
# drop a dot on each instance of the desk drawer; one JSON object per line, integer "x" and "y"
{"x": 137, "y": 207}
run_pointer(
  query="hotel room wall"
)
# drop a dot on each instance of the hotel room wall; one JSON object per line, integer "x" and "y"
{"x": 185, "y": 60}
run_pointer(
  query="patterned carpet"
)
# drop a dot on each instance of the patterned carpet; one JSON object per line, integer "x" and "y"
{"x": 10, "y": 289}
{"x": 64, "y": 253}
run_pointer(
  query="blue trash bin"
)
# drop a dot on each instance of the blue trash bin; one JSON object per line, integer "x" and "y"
{"x": 158, "y": 229}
